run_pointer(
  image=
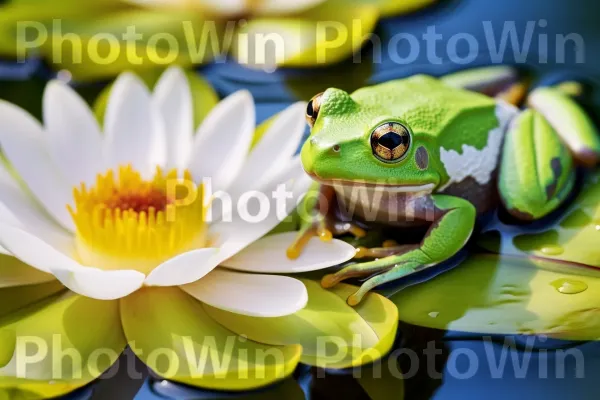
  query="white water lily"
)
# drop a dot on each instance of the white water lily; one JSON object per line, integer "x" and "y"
{"x": 87, "y": 205}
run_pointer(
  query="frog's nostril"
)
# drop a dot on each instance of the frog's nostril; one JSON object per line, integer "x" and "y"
{"x": 336, "y": 148}
{"x": 314, "y": 141}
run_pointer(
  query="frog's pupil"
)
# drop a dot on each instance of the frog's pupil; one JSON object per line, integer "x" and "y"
{"x": 309, "y": 109}
{"x": 391, "y": 140}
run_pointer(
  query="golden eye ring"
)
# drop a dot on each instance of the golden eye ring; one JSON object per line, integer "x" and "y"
{"x": 312, "y": 109}
{"x": 390, "y": 141}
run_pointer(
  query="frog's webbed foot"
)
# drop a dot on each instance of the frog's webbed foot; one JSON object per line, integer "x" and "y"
{"x": 379, "y": 271}
{"x": 323, "y": 224}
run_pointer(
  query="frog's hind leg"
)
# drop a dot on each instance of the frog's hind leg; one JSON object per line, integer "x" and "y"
{"x": 322, "y": 221}
{"x": 453, "y": 220}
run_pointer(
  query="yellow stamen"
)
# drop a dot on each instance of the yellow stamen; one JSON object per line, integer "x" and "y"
{"x": 126, "y": 222}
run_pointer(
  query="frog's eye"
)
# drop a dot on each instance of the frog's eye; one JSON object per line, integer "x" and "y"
{"x": 390, "y": 141}
{"x": 312, "y": 109}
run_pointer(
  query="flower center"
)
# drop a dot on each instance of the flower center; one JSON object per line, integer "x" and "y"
{"x": 126, "y": 222}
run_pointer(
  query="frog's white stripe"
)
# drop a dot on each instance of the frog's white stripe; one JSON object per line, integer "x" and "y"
{"x": 479, "y": 164}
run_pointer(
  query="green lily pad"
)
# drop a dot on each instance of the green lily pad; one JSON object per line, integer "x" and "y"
{"x": 573, "y": 238}
{"x": 491, "y": 294}
{"x": 15, "y": 273}
{"x": 331, "y": 333}
{"x": 172, "y": 333}
{"x": 56, "y": 345}
{"x": 323, "y": 35}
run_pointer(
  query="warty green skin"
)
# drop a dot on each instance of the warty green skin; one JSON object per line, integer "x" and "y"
{"x": 475, "y": 147}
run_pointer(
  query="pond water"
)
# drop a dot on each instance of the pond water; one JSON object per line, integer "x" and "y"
{"x": 440, "y": 364}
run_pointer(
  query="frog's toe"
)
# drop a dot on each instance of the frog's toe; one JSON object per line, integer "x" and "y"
{"x": 357, "y": 270}
{"x": 342, "y": 228}
{"x": 303, "y": 237}
{"x": 391, "y": 274}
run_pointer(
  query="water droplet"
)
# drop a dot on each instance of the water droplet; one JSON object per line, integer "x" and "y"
{"x": 552, "y": 250}
{"x": 568, "y": 286}
{"x": 433, "y": 314}
{"x": 598, "y": 227}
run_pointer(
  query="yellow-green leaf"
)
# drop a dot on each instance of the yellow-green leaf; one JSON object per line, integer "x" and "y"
{"x": 573, "y": 238}
{"x": 103, "y": 45}
{"x": 332, "y": 334}
{"x": 171, "y": 332}
{"x": 57, "y": 345}
{"x": 14, "y": 272}
{"x": 322, "y": 35}
{"x": 508, "y": 295}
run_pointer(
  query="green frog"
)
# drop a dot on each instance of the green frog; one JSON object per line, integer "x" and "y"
{"x": 421, "y": 154}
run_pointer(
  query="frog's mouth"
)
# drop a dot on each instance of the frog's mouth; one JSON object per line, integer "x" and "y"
{"x": 371, "y": 186}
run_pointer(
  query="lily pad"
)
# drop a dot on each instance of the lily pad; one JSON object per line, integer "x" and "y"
{"x": 572, "y": 238}
{"x": 332, "y": 334}
{"x": 491, "y": 294}
{"x": 56, "y": 345}
{"x": 322, "y": 35}
{"x": 172, "y": 334}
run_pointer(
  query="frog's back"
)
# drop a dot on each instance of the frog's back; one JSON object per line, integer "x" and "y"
{"x": 431, "y": 107}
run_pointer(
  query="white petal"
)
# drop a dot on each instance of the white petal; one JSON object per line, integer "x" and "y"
{"x": 185, "y": 268}
{"x": 18, "y": 209}
{"x": 236, "y": 232}
{"x": 21, "y": 140}
{"x": 284, "y": 7}
{"x": 174, "y": 101}
{"x": 134, "y": 128}
{"x": 268, "y": 255}
{"x": 248, "y": 294}
{"x": 223, "y": 141}
{"x": 31, "y": 249}
{"x": 100, "y": 284}
{"x": 73, "y": 136}
{"x": 14, "y": 273}
{"x": 276, "y": 148}
{"x": 87, "y": 281}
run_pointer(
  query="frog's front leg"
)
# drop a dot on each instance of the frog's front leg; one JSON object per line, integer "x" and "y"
{"x": 452, "y": 225}
{"x": 321, "y": 221}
